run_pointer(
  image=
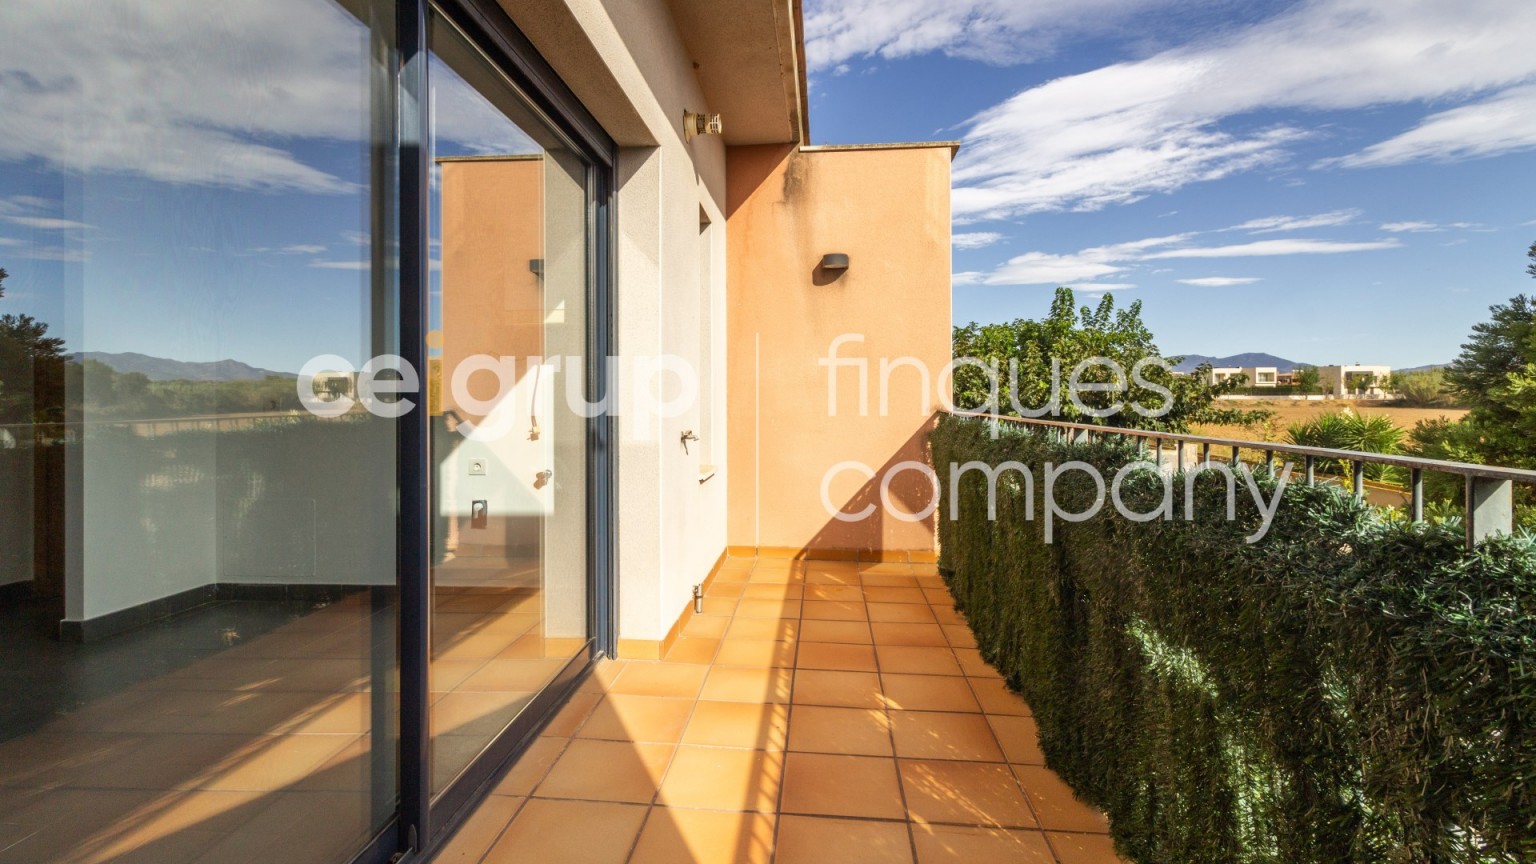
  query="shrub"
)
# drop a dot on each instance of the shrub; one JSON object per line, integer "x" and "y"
{"x": 1346, "y": 430}
{"x": 1349, "y": 689}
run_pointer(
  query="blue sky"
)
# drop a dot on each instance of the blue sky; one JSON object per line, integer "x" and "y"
{"x": 1330, "y": 181}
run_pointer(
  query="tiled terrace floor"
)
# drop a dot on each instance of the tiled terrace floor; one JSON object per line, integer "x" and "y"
{"x": 815, "y": 712}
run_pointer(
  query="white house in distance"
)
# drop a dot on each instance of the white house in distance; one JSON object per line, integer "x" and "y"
{"x": 1342, "y": 381}
{"x": 1257, "y": 376}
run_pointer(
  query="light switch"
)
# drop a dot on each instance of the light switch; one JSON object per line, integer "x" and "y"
{"x": 477, "y": 467}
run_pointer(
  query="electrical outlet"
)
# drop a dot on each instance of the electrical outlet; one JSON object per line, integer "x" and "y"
{"x": 477, "y": 467}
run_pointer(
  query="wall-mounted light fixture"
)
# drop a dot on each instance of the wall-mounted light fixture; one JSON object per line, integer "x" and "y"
{"x": 536, "y": 267}
{"x": 695, "y": 125}
{"x": 834, "y": 261}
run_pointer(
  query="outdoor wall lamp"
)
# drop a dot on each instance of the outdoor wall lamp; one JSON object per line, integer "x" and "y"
{"x": 536, "y": 267}
{"x": 695, "y": 125}
{"x": 834, "y": 261}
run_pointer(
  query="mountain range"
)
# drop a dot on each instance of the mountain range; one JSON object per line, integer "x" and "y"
{"x": 162, "y": 369}
{"x": 1193, "y": 361}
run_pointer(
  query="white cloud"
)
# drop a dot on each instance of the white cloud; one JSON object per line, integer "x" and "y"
{"x": 45, "y": 223}
{"x": 1502, "y": 123}
{"x": 1276, "y": 224}
{"x": 1423, "y": 227}
{"x": 1220, "y": 281}
{"x": 340, "y": 265}
{"x": 975, "y": 240}
{"x": 1081, "y": 269}
{"x": 182, "y": 90}
{"x": 1267, "y": 248}
{"x": 1100, "y": 287}
{"x": 303, "y": 249}
{"x": 993, "y": 31}
{"x": 1122, "y": 132}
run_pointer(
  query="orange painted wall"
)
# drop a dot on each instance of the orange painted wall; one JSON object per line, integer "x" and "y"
{"x": 889, "y": 211}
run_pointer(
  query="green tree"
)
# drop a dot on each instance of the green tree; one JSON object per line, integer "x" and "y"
{"x": 1024, "y": 352}
{"x": 31, "y": 369}
{"x": 1495, "y": 376}
{"x": 1308, "y": 380}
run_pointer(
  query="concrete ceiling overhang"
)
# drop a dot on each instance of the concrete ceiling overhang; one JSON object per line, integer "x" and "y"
{"x": 750, "y": 61}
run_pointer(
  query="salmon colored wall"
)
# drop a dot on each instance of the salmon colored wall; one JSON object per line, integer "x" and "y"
{"x": 888, "y": 210}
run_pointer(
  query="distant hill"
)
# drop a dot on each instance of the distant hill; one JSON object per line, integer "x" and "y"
{"x": 1193, "y": 361}
{"x": 161, "y": 369}
{"x": 1425, "y": 368}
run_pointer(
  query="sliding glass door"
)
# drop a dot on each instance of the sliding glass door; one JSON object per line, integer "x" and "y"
{"x": 226, "y": 433}
{"x": 509, "y": 205}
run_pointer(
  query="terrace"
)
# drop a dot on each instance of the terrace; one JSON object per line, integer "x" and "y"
{"x": 813, "y": 711}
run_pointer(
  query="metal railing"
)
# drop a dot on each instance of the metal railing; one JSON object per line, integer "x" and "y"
{"x": 1489, "y": 496}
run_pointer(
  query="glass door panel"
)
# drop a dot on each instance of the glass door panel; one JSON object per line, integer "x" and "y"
{"x": 198, "y": 610}
{"x": 509, "y": 205}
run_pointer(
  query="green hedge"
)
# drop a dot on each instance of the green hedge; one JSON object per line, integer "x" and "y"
{"x": 1344, "y": 690}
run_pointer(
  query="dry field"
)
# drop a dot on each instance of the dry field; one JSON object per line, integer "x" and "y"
{"x": 1288, "y": 411}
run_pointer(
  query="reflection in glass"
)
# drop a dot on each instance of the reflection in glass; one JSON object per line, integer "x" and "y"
{"x": 197, "y": 606}
{"x": 509, "y": 213}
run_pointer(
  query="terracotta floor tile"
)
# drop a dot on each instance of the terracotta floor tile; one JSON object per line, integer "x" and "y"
{"x": 604, "y": 672}
{"x": 738, "y": 724}
{"x": 771, "y": 591}
{"x": 929, "y": 693}
{"x": 811, "y": 840}
{"x": 846, "y": 731}
{"x": 649, "y": 719}
{"x": 692, "y": 650}
{"x": 834, "y": 610}
{"x": 776, "y": 576}
{"x": 481, "y": 714}
{"x": 718, "y": 778}
{"x": 1084, "y": 848}
{"x": 819, "y": 575}
{"x": 576, "y": 711}
{"x": 888, "y": 580}
{"x": 901, "y": 613}
{"x": 930, "y": 735}
{"x": 774, "y": 629}
{"x": 566, "y": 832}
{"x": 768, "y": 609}
{"x": 840, "y": 689}
{"x": 680, "y": 680}
{"x": 607, "y": 771}
{"x": 837, "y": 593}
{"x": 938, "y": 596}
{"x": 756, "y": 652}
{"x": 1019, "y": 738}
{"x": 721, "y": 606}
{"x": 952, "y": 844}
{"x": 826, "y": 785}
{"x": 996, "y": 698}
{"x": 959, "y": 635}
{"x": 946, "y": 614}
{"x": 674, "y": 836}
{"x": 479, "y": 832}
{"x": 886, "y": 594}
{"x": 966, "y": 793}
{"x": 848, "y": 632}
{"x": 1055, "y": 805}
{"x": 725, "y": 589}
{"x": 706, "y": 627}
{"x": 908, "y": 634}
{"x": 917, "y": 660}
{"x": 972, "y": 664}
{"x": 531, "y": 767}
{"x": 747, "y": 684}
{"x": 836, "y": 657}
{"x": 887, "y": 567}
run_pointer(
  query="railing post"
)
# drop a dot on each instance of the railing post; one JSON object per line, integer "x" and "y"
{"x": 1359, "y": 478}
{"x": 1159, "y": 452}
{"x": 1269, "y": 461}
{"x": 1490, "y": 509}
{"x": 1236, "y": 455}
{"x": 1205, "y": 453}
{"x": 1178, "y": 454}
{"x": 1311, "y": 466}
{"x": 1416, "y": 503}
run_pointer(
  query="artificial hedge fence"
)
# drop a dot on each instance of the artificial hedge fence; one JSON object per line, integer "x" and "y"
{"x": 1348, "y": 689}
